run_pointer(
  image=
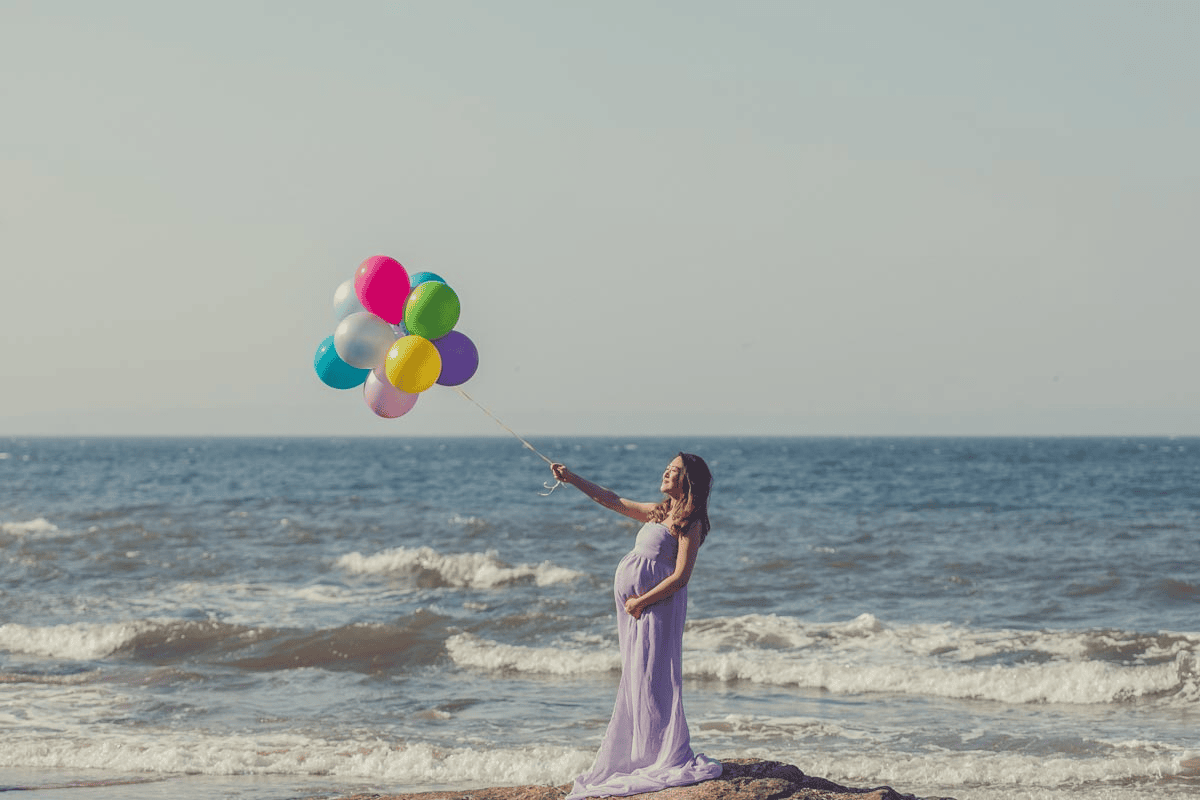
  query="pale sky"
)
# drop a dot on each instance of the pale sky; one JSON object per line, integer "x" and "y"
{"x": 792, "y": 218}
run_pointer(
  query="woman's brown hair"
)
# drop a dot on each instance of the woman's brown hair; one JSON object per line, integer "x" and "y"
{"x": 696, "y": 479}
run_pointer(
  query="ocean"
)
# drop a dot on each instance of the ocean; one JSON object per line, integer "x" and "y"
{"x": 311, "y": 617}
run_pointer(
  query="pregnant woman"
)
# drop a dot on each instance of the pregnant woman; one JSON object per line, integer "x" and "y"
{"x": 647, "y": 746}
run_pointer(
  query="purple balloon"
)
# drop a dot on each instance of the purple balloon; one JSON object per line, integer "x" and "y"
{"x": 460, "y": 359}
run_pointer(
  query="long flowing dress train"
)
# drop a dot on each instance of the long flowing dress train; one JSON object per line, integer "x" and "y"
{"x": 647, "y": 746}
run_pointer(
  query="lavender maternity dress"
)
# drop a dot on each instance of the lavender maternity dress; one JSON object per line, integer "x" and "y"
{"x": 647, "y": 746}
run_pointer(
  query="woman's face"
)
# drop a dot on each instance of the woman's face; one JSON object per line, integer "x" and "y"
{"x": 672, "y": 480}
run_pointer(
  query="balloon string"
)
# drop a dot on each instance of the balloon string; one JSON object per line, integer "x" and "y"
{"x": 557, "y": 483}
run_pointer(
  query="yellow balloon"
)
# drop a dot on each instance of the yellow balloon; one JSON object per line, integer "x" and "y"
{"x": 413, "y": 364}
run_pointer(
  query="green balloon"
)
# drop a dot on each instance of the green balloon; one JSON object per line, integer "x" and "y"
{"x": 432, "y": 310}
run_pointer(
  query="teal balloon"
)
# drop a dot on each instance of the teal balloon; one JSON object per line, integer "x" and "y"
{"x": 424, "y": 277}
{"x": 432, "y": 310}
{"x": 333, "y": 371}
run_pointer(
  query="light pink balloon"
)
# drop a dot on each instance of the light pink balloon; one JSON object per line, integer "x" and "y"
{"x": 381, "y": 284}
{"x": 386, "y": 400}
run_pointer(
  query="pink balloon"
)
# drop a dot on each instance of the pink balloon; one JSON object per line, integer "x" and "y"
{"x": 386, "y": 400}
{"x": 381, "y": 284}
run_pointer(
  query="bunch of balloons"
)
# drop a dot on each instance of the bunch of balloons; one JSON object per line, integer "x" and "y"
{"x": 395, "y": 337}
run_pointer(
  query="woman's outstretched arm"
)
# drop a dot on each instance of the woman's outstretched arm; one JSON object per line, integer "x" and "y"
{"x": 605, "y": 497}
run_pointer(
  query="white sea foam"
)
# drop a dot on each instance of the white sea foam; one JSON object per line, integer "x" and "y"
{"x": 296, "y": 754}
{"x": 75, "y": 641}
{"x": 777, "y": 729}
{"x": 468, "y": 521}
{"x": 468, "y": 650}
{"x": 966, "y": 774}
{"x": 34, "y": 528}
{"x": 1057, "y": 682}
{"x": 61, "y": 734}
{"x": 864, "y": 656}
{"x": 1128, "y": 773}
{"x": 462, "y": 570}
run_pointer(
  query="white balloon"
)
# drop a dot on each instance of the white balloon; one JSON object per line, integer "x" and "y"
{"x": 362, "y": 340}
{"x": 345, "y": 300}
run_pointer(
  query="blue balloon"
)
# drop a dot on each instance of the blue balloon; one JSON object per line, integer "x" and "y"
{"x": 333, "y": 371}
{"x": 423, "y": 277}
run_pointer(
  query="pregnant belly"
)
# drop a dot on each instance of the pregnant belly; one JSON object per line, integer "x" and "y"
{"x": 637, "y": 575}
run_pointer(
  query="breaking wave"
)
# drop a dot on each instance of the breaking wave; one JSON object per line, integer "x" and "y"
{"x": 363, "y": 647}
{"x": 460, "y": 570}
{"x": 864, "y": 656}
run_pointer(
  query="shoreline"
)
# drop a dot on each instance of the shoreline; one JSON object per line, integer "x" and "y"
{"x": 742, "y": 779}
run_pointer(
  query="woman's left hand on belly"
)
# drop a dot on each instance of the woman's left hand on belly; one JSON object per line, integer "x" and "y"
{"x": 633, "y": 607}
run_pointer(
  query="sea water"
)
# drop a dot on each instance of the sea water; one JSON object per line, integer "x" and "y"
{"x": 282, "y": 618}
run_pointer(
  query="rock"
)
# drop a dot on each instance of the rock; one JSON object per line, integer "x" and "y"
{"x": 743, "y": 779}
